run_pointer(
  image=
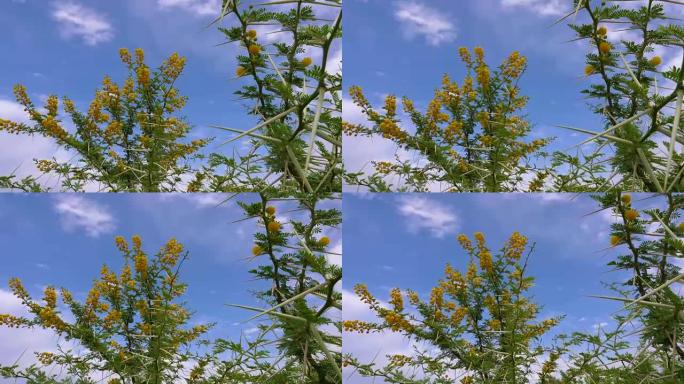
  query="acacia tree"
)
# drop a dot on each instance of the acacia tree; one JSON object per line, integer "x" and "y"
{"x": 645, "y": 346}
{"x": 470, "y": 138}
{"x": 477, "y": 326}
{"x": 296, "y": 144}
{"x": 639, "y": 100}
{"x": 301, "y": 294}
{"x": 129, "y": 140}
{"x": 131, "y": 328}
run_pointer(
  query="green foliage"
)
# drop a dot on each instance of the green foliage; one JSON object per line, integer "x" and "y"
{"x": 301, "y": 292}
{"x": 297, "y": 143}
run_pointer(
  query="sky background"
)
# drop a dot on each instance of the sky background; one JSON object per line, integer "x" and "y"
{"x": 64, "y": 239}
{"x": 403, "y": 47}
{"x": 406, "y": 240}
{"x": 66, "y": 47}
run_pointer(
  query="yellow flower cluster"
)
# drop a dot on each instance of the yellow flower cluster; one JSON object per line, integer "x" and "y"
{"x": 173, "y": 66}
{"x": 140, "y": 264}
{"x": 391, "y": 105}
{"x": 516, "y": 245}
{"x": 486, "y": 263}
{"x": 358, "y": 326}
{"x": 514, "y": 65}
{"x": 361, "y": 291}
{"x": 171, "y": 252}
{"x": 397, "y": 322}
{"x": 465, "y": 242}
{"x": 397, "y": 300}
{"x": 390, "y": 130}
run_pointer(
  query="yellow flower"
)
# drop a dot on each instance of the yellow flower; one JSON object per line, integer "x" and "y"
{"x": 121, "y": 244}
{"x": 631, "y": 215}
{"x": 139, "y": 55}
{"x": 626, "y": 199}
{"x": 307, "y": 61}
{"x": 516, "y": 245}
{"x": 273, "y": 226}
{"x": 324, "y": 241}
{"x": 486, "y": 261}
{"x": 589, "y": 70}
{"x": 143, "y": 76}
{"x": 125, "y": 56}
{"x": 252, "y": 34}
{"x": 137, "y": 242}
{"x": 254, "y": 49}
{"x": 172, "y": 251}
{"x": 141, "y": 265}
{"x": 615, "y": 240}
{"x": 602, "y": 31}
{"x": 271, "y": 210}
{"x": 681, "y": 226}
{"x": 257, "y": 250}
{"x": 240, "y": 71}
{"x": 397, "y": 300}
{"x": 604, "y": 47}
{"x": 655, "y": 61}
{"x": 465, "y": 242}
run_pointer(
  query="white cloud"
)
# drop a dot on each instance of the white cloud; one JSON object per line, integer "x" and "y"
{"x": 540, "y": 7}
{"x": 197, "y": 7}
{"x": 77, "y": 212}
{"x": 420, "y": 20}
{"x": 429, "y": 215}
{"x": 75, "y": 20}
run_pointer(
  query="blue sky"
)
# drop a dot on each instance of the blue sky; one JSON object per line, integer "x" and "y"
{"x": 405, "y": 241}
{"x": 66, "y": 48}
{"x": 403, "y": 47}
{"x": 64, "y": 239}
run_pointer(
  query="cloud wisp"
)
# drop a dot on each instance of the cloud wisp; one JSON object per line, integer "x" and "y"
{"x": 79, "y": 213}
{"x": 419, "y": 20}
{"x": 76, "y": 20}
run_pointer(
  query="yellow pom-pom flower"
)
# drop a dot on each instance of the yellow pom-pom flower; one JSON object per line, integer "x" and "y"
{"x": 605, "y": 47}
{"x": 307, "y": 61}
{"x": 270, "y": 210}
{"x": 602, "y": 31}
{"x": 240, "y": 71}
{"x": 324, "y": 241}
{"x": 615, "y": 240}
{"x": 589, "y": 70}
{"x": 273, "y": 226}
{"x": 681, "y": 226}
{"x": 626, "y": 199}
{"x": 631, "y": 215}
{"x": 252, "y": 34}
{"x": 655, "y": 61}
{"x": 254, "y": 49}
{"x": 257, "y": 250}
